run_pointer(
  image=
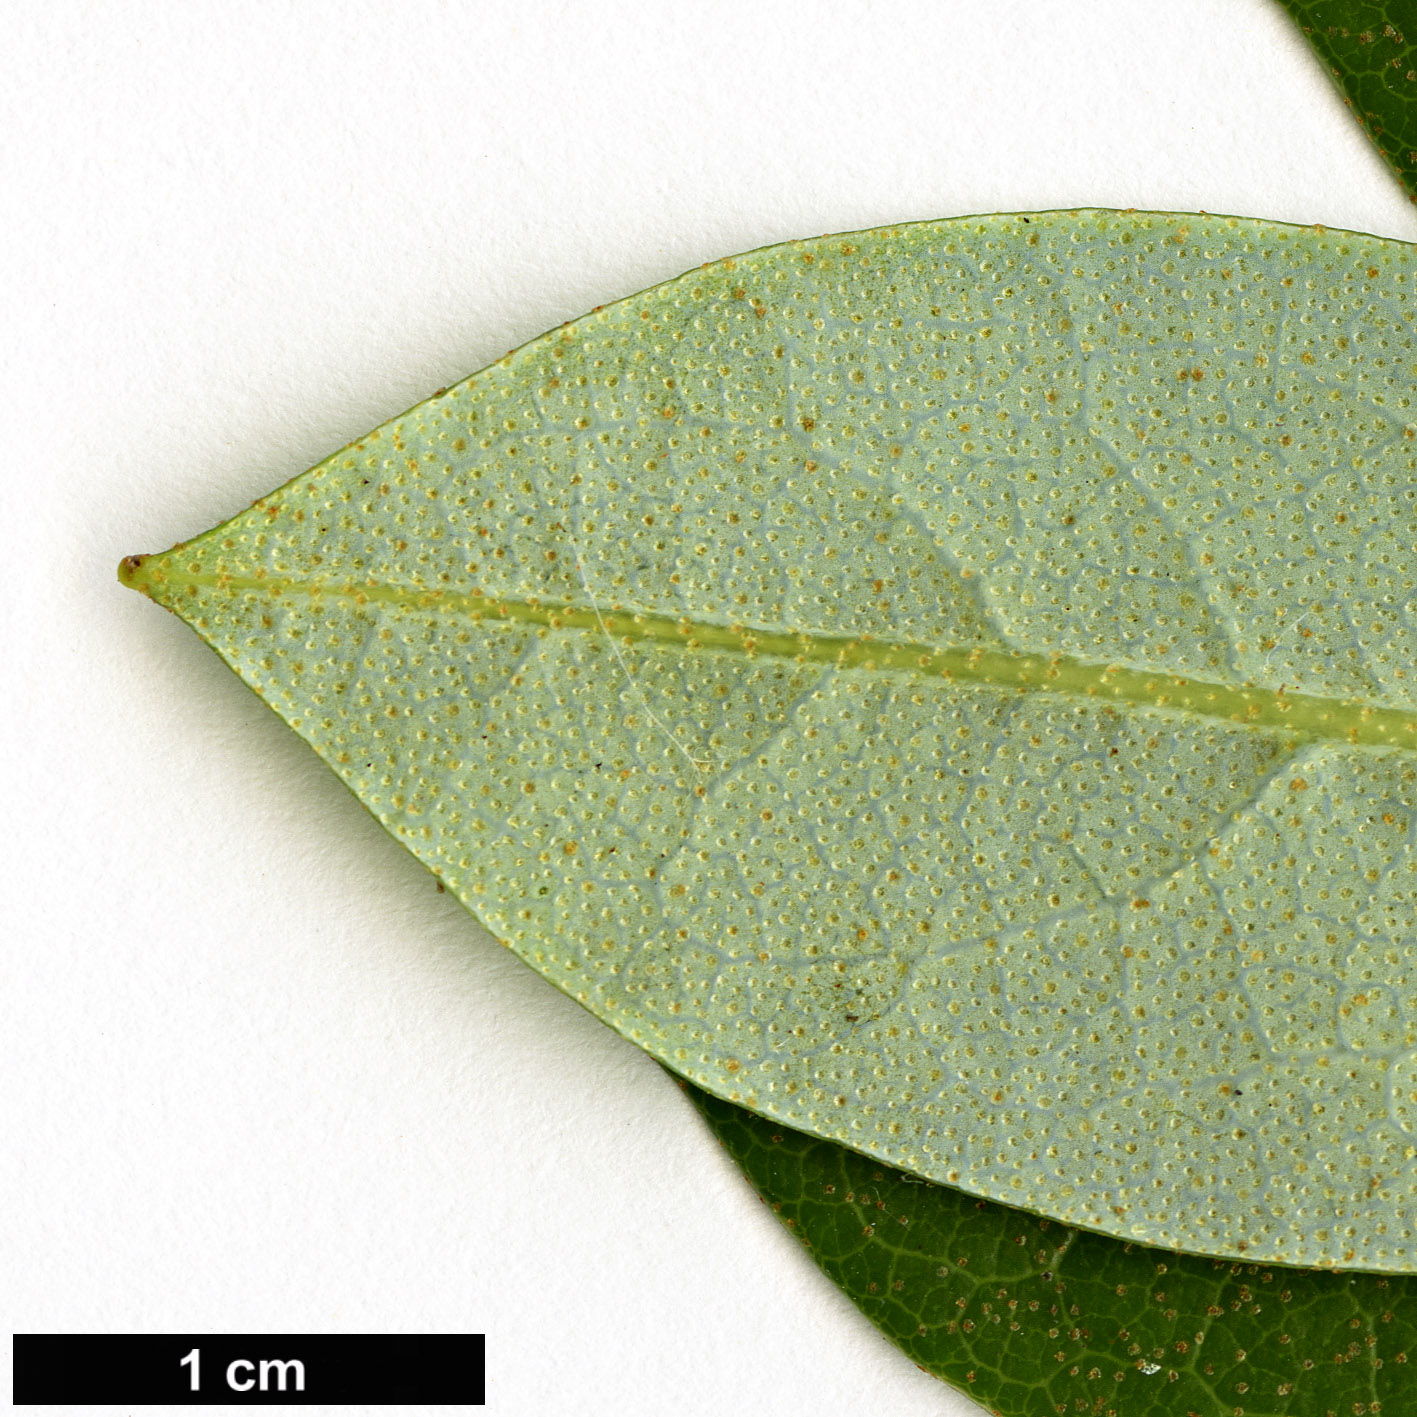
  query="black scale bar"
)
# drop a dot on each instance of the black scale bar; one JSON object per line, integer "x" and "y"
{"x": 115, "y": 1369}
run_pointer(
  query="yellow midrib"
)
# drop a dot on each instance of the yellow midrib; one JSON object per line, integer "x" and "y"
{"x": 1300, "y": 715}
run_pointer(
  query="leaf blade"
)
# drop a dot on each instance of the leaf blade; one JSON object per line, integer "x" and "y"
{"x": 1030, "y": 1318}
{"x": 818, "y": 666}
{"x": 1369, "y": 50}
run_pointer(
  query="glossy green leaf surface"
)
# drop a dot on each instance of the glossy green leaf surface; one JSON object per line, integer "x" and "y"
{"x": 1370, "y": 51}
{"x": 1034, "y": 1319}
{"x": 952, "y": 689}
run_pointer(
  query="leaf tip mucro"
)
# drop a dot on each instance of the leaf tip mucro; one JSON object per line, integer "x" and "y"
{"x": 142, "y": 574}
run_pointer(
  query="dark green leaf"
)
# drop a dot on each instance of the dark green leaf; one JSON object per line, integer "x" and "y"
{"x": 1034, "y": 1319}
{"x": 1370, "y": 52}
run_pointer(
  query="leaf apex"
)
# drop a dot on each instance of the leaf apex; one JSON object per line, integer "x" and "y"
{"x": 142, "y": 573}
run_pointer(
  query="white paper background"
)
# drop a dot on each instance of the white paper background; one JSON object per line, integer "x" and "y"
{"x": 259, "y": 1074}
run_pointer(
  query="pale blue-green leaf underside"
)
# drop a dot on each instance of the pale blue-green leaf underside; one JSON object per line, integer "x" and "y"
{"x": 951, "y": 688}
